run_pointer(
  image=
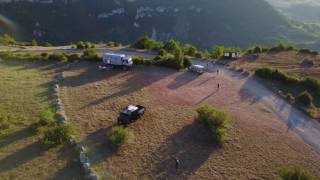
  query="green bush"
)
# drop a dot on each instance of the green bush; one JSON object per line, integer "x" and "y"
{"x": 216, "y": 120}
{"x": 144, "y": 43}
{"x": 162, "y": 52}
{"x": 34, "y": 42}
{"x": 290, "y": 98}
{"x": 294, "y": 174}
{"x": 217, "y": 52}
{"x": 257, "y": 49}
{"x": 46, "y": 119}
{"x": 57, "y": 57}
{"x": 5, "y": 121}
{"x": 189, "y": 50}
{"x": 81, "y": 45}
{"x": 198, "y": 55}
{"x": 171, "y": 46}
{"x": 140, "y": 61}
{"x": 187, "y": 62}
{"x": 73, "y": 57}
{"x": 276, "y": 75}
{"x": 119, "y": 136}
{"x": 7, "y": 39}
{"x": 305, "y": 51}
{"x": 90, "y": 55}
{"x": 312, "y": 84}
{"x": 57, "y": 135}
{"x": 305, "y": 98}
{"x": 46, "y": 44}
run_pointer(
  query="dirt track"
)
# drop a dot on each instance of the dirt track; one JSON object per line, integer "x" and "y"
{"x": 259, "y": 141}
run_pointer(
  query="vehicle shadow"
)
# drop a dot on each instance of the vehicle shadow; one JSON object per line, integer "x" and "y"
{"x": 182, "y": 80}
{"x": 72, "y": 169}
{"x": 20, "y": 157}
{"x": 192, "y": 146}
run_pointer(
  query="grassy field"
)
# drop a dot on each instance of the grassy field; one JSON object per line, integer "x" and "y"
{"x": 25, "y": 91}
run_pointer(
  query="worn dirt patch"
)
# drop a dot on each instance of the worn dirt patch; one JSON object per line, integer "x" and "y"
{"x": 258, "y": 143}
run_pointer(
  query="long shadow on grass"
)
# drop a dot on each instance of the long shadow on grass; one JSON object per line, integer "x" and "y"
{"x": 14, "y": 137}
{"x": 89, "y": 74}
{"x": 20, "y": 157}
{"x": 182, "y": 80}
{"x": 137, "y": 79}
{"x": 100, "y": 149}
{"x": 192, "y": 145}
{"x": 72, "y": 170}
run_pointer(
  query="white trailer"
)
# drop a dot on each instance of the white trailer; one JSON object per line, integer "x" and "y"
{"x": 117, "y": 60}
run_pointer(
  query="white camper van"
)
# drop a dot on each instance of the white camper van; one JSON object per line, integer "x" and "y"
{"x": 117, "y": 60}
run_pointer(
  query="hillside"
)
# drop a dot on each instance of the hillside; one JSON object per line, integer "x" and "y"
{"x": 203, "y": 22}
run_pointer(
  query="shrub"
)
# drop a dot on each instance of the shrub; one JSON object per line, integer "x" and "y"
{"x": 46, "y": 44}
{"x": 57, "y": 57}
{"x": 7, "y": 39}
{"x": 5, "y": 120}
{"x": 73, "y": 57}
{"x": 34, "y": 42}
{"x": 217, "y": 52}
{"x": 81, "y": 45}
{"x": 294, "y": 174}
{"x": 189, "y": 50}
{"x": 187, "y": 62}
{"x": 138, "y": 60}
{"x": 276, "y": 75}
{"x": 257, "y": 49}
{"x": 304, "y": 51}
{"x": 46, "y": 119}
{"x": 144, "y": 43}
{"x": 305, "y": 98}
{"x": 312, "y": 84}
{"x": 119, "y": 136}
{"x": 315, "y": 53}
{"x": 290, "y": 98}
{"x": 162, "y": 52}
{"x": 216, "y": 120}
{"x": 110, "y": 43}
{"x": 57, "y": 135}
{"x": 198, "y": 55}
{"x": 171, "y": 46}
{"x": 90, "y": 55}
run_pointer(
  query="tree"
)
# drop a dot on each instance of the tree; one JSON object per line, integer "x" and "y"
{"x": 34, "y": 42}
{"x": 144, "y": 43}
{"x": 217, "y": 52}
{"x": 190, "y": 50}
{"x": 171, "y": 46}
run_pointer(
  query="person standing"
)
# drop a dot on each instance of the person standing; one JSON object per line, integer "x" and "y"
{"x": 218, "y": 86}
{"x": 177, "y": 163}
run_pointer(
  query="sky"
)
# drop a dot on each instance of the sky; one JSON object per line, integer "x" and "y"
{"x": 288, "y": 3}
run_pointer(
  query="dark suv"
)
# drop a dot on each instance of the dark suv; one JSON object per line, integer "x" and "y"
{"x": 130, "y": 114}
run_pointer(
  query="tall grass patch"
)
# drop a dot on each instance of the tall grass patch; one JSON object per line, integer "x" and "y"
{"x": 119, "y": 136}
{"x": 294, "y": 174}
{"x": 216, "y": 120}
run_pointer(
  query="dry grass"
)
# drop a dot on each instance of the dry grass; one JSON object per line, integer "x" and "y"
{"x": 258, "y": 143}
{"x": 290, "y": 62}
{"x": 25, "y": 91}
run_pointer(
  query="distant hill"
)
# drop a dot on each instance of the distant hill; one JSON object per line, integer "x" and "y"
{"x": 203, "y": 23}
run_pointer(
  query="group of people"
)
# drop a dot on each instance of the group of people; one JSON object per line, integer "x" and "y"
{"x": 218, "y": 72}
